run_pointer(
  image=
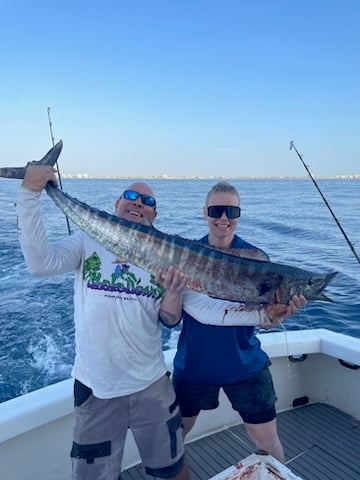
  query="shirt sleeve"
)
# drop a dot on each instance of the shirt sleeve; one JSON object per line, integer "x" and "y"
{"x": 42, "y": 257}
{"x": 213, "y": 311}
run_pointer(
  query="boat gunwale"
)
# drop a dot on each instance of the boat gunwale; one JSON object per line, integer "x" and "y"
{"x": 22, "y": 414}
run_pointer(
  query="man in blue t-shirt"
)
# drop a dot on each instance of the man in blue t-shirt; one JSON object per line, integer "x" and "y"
{"x": 210, "y": 357}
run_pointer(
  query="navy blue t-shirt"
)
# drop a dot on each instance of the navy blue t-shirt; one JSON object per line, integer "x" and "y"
{"x": 217, "y": 354}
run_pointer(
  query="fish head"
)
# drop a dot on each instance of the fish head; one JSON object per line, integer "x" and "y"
{"x": 312, "y": 287}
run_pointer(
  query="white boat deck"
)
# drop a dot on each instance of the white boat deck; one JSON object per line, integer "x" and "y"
{"x": 320, "y": 442}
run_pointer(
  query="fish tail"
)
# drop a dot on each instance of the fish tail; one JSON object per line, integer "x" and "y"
{"x": 50, "y": 158}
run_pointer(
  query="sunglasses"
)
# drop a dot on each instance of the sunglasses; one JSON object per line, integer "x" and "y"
{"x": 215, "y": 211}
{"x": 133, "y": 195}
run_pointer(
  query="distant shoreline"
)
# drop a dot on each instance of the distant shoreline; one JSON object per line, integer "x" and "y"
{"x": 86, "y": 176}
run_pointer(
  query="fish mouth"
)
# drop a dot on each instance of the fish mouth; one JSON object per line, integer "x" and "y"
{"x": 329, "y": 278}
{"x": 322, "y": 284}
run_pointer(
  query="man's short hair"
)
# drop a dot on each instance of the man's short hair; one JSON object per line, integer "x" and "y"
{"x": 222, "y": 187}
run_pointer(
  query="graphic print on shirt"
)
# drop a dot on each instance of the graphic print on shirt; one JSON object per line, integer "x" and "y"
{"x": 122, "y": 279}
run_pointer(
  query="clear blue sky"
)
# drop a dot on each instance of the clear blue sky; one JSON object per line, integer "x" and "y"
{"x": 180, "y": 87}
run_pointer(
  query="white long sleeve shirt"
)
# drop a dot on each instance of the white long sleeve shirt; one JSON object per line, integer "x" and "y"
{"x": 213, "y": 311}
{"x": 116, "y": 305}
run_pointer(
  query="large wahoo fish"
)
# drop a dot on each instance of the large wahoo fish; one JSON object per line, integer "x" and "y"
{"x": 213, "y": 271}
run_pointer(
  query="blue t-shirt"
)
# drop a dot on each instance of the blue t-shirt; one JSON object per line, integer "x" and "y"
{"x": 216, "y": 354}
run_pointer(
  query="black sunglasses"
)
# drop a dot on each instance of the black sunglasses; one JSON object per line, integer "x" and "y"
{"x": 134, "y": 195}
{"x": 215, "y": 211}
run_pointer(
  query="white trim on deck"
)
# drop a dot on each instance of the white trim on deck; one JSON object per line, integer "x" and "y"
{"x": 55, "y": 401}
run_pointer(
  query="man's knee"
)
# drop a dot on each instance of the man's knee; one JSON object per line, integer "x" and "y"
{"x": 178, "y": 470}
{"x": 188, "y": 423}
{"x": 91, "y": 461}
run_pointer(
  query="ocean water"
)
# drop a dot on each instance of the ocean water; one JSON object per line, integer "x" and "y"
{"x": 285, "y": 217}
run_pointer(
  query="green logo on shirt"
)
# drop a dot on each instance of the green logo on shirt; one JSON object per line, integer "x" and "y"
{"x": 122, "y": 279}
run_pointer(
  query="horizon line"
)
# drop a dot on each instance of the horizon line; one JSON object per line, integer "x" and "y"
{"x": 88, "y": 176}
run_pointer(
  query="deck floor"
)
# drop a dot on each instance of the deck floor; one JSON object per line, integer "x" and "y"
{"x": 320, "y": 443}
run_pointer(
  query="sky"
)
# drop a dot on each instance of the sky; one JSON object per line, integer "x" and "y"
{"x": 210, "y": 88}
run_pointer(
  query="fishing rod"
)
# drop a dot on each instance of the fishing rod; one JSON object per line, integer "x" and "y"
{"x": 292, "y": 146}
{"x": 57, "y": 165}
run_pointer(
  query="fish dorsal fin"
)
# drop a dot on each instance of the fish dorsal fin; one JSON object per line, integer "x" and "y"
{"x": 253, "y": 253}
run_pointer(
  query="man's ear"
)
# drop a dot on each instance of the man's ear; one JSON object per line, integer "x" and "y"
{"x": 205, "y": 212}
{"x": 117, "y": 203}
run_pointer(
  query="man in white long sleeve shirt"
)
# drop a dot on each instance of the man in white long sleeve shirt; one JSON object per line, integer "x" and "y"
{"x": 119, "y": 370}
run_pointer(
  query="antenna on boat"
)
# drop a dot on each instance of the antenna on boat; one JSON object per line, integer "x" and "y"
{"x": 292, "y": 146}
{"x": 57, "y": 165}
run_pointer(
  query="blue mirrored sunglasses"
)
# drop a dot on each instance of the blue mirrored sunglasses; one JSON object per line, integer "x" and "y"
{"x": 215, "y": 211}
{"x": 134, "y": 195}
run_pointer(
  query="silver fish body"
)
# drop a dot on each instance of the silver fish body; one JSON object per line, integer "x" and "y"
{"x": 209, "y": 270}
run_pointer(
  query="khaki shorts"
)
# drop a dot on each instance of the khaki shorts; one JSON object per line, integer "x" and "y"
{"x": 101, "y": 426}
